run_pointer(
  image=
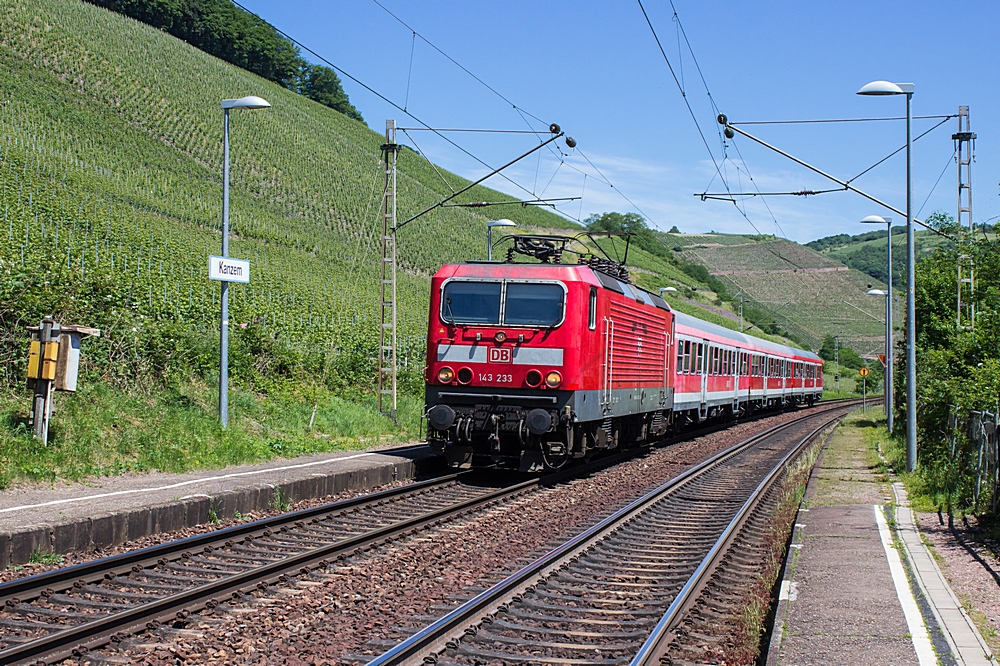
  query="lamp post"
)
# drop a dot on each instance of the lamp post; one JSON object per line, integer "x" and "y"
{"x": 887, "y": 221}
{"x": 489, "y": 235}
{"x": 249, "y": 102}
{"x": 887, "y": 88}
{"x": 887, "y": 380}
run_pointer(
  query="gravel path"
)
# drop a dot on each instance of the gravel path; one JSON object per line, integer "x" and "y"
{"x": 356, "y": 608}
{"x": 972, "y": 570}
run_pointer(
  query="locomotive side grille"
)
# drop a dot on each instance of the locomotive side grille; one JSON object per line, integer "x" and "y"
{"x": 638, "y": 345}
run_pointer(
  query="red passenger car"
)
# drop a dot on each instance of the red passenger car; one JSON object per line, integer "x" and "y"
{"x": 530, "y": 365}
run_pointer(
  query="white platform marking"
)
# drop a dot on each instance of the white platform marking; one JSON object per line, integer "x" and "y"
{"x": 87, "y": 498}
{"x": 914, "y": 621}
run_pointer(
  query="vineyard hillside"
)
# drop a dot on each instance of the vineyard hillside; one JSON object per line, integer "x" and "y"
{"x": 810, "y": 295}
{"x": 110, "y": 162}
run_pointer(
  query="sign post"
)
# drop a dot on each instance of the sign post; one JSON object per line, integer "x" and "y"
{"x": 864, "y": 388}
{"x": 226, "y": 270}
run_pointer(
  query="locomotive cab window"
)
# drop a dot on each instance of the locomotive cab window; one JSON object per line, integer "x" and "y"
{"x": 501, "y": 303}
{"x": 468, "y": 302}
{"x": 533, "y": 304}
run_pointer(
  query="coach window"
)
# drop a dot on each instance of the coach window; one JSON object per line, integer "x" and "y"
{"x": 687, "y": 357}
{"x": 471, "y": 302}
{"x": 592, "y": 309}
{"x": 700, "y": 358}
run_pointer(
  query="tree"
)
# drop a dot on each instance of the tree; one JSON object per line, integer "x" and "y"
{"x": 942, "y": 221}
{"x": 847, "y": 356}
{"x": 674, "y": 230}
{"x": 321, "y": 84}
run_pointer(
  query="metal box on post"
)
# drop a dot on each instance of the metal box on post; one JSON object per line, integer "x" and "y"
{"x": 53, "y": 365}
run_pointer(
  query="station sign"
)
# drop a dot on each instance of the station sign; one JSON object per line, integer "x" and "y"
{"x": 228, "y": 269}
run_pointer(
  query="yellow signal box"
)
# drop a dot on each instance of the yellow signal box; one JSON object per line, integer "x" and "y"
{"x": 42, "y": 365}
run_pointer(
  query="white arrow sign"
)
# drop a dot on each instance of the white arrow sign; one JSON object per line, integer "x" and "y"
{"x": 228, "y": 269}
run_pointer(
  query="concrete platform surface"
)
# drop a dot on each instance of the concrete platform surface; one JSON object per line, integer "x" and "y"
{"x": 860, "y": 587}
{"x": 109, "y": 511}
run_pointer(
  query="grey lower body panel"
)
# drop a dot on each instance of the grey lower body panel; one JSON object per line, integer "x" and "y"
{"x": 586, "y": 405}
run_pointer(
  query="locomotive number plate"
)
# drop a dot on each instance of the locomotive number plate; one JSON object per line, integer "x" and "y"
{"x": 500, "y": 355}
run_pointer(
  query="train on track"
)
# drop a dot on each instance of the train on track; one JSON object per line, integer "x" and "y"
{"x": 531, "y": 365}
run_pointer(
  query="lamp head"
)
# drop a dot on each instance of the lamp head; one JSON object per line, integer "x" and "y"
{"x": 874, "y": 219}
{"x": 668, "y": 289}
{"x": 886, "y": 88}
{"x": 876, "y": 292}
{"x": 501, "y": 223}
{"x": 248, "y": 102}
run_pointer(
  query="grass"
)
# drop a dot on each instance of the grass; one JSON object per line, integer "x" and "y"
{"x": 103, "y": 431}
{"x": 39, "y": 556}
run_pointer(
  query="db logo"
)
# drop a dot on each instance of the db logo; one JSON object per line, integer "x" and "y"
{"x": 499, "y": 355}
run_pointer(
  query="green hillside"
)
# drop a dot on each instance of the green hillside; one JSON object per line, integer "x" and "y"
{"x": 810, "y": 295}
{"x": 867, "y": 252}
{"x": 111, "y": 158}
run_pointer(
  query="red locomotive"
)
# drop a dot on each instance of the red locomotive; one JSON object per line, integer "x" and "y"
{"x": 530, "y": 365}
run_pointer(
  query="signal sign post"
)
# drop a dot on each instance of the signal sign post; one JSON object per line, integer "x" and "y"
{"x": 864, "y": 388}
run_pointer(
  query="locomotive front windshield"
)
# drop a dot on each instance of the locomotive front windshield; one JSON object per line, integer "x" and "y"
{"x": 524, "y": 303}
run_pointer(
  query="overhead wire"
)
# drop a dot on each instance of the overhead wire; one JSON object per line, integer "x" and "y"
{"x": 455, "y": 62}
{"x": 390, "y": 102}
{"x": 941, "y": 175}
{"x": 835, "y": 120}
{"x": 520, "y": 110}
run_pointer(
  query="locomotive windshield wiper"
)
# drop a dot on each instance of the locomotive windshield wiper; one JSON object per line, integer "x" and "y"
{"x": 450, "y": 317}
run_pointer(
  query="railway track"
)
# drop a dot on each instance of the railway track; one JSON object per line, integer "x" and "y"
{"x": 617, "y": 592}
{"x": 69, "y": 612}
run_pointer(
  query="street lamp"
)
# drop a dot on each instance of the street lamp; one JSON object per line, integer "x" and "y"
{"x": 249, "y": 102}
{"x": 887, "y": 388}
{"x": 886, "y": 88}
{"x": 489, "y": 235}
{"x": 887, "y": 221}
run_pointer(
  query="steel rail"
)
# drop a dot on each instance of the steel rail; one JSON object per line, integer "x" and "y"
{"x": 654, "y": 648}
{"x": 437, "y": 635}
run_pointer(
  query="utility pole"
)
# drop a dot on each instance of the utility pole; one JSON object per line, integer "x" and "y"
{"x": 387, "y": 321}
{"x": 965, "y": 152}
{"x": 965, "y": 306}
{"x": 741, "y": 313}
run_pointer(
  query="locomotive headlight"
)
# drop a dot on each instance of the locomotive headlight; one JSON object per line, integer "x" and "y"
{"x": 553, "y": 379}
{"x": 500, "y": 336}
{"x": 445, "y": 375}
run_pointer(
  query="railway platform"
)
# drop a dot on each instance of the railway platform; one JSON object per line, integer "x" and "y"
{"x": 860, "y": 586}
{"x": 109, "y": 511}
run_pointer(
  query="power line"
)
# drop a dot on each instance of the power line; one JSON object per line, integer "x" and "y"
{"x": 389, "y": 101}
{"x": 832, "y": 120}
{"x": 456, "y": 63}
{"x": 491, "y": 131}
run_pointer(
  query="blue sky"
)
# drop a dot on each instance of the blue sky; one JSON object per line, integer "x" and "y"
{"x": 595, "y": 69}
